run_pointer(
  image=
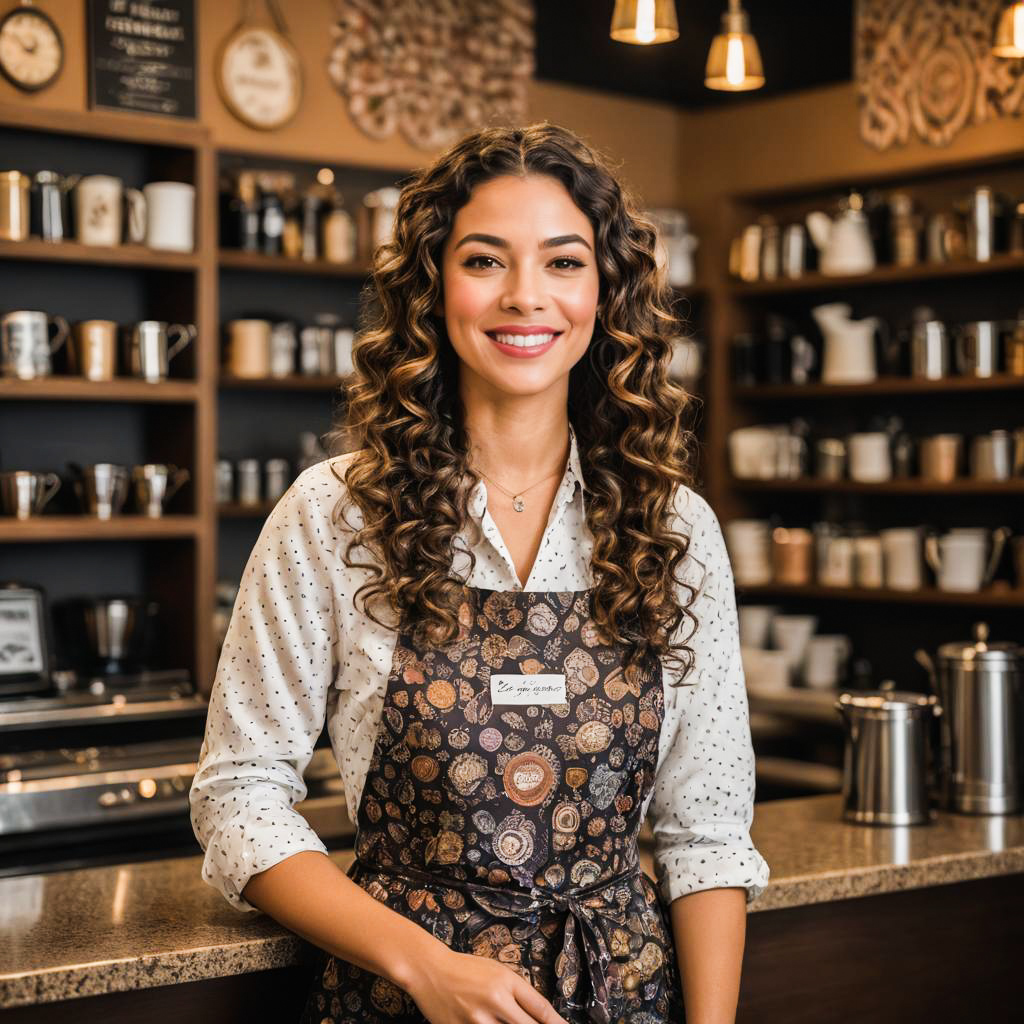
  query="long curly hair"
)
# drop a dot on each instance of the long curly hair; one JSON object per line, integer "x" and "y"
{"x": 410, "y": 475}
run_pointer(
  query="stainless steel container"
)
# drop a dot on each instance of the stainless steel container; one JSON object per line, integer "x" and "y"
{"x": 887, "y": 760}
{"x": 981, "y": 684}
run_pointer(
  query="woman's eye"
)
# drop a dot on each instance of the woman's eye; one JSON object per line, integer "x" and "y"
{"x": 474, "y": 261}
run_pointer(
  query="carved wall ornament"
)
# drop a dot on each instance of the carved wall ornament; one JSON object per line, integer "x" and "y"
{"x": 925, "y": 68}
{"x": 432, "y": 71}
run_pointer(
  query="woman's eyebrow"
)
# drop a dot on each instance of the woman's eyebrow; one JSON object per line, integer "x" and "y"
{"x": 502, "y": 243}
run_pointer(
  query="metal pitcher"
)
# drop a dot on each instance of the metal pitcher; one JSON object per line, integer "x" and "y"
{"x": 981, "y": 685}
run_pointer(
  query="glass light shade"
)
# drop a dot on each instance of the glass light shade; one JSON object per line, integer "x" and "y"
{"x": 1010, "y": 32}
{"x": 644, "y": 22}
{"x": 734, "y": 60}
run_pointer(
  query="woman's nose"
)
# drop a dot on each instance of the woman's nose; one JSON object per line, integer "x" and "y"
{"x": 525, "y": 289}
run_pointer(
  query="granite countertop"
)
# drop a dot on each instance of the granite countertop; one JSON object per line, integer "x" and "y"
{"x": 111, "y": 929}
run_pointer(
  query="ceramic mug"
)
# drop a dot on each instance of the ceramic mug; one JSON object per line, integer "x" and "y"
{"x": 965, "y": 560}
{"x": 870, "y": 457}
{"x": 249, "y": 348}
{"x": 170, "y": 215}
{"x": 749, "y": 545}
{"x": 791, "y": 634}
{"x": 825, "y": 662}
{"x": 93, "y": 352}
{"x": 902, "y": 555}
{"x": 755, "y": 624}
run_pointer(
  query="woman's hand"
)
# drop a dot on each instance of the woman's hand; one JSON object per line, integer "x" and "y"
{"x": 462, "y": 988}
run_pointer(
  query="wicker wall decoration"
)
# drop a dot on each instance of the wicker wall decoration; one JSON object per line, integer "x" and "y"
{"x": 924, "y": 68}
{"x": 432, "y": 71}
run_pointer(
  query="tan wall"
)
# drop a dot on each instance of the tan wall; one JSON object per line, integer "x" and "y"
{"x": 641, "y": 135}
{"x": 805, "y": 138}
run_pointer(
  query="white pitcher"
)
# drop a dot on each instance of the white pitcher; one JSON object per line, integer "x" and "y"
{"x": 849, "y": 344}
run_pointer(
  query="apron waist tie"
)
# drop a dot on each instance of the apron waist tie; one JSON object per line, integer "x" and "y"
{"x": 583, "y": 942}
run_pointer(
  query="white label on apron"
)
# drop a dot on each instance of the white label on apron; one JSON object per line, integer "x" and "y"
{"x": 510, "y": 688}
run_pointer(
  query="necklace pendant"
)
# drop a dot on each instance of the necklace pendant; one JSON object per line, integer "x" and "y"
{"x": 517, "y": 503}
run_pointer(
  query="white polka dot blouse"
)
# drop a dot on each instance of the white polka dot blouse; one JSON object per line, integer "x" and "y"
{"x": 298, "y": 654}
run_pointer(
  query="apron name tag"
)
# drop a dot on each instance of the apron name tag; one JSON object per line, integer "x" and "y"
{"x": 541, "y": 688}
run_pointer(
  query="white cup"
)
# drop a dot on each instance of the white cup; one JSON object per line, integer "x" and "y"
{"x": 170, "y": 215}
{"x": 825, "y": 662}
{"x": 753, "y": 453}
{"x": 791, "y": 634}
{"x": 965, "y": 559}
{"x": 869, "y": 562}
{"x": 837, "y": 567}
{"x": 765, "y": 670}
{"x": 98, "y": 213}
{"x": 749, "y": 545}
{"x": 755, "y": 624}
{"x": 902, "y": 555}
{"x": 869, "y": 457}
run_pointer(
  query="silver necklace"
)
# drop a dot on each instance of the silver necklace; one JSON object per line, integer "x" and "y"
{"x": 517, "y": 497}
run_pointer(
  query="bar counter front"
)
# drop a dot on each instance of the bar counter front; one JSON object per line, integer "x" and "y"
{"x": 858, "y": 923}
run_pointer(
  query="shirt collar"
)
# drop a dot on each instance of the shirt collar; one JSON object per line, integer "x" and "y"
{"x": 573, "y": 475}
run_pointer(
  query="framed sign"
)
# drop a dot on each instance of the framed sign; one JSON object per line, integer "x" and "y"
{"x": 142, "y": 56}
{"x": 24, "y": 651}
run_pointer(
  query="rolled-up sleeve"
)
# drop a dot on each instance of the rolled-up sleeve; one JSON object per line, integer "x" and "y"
{"x": 703, "y": 797}
{"x": 268, "y": 702}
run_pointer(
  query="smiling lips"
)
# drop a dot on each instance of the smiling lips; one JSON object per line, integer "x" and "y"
{"x": 523, "y": 342}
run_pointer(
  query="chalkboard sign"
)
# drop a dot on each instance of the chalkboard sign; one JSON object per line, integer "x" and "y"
{"x": 142, "y": 56}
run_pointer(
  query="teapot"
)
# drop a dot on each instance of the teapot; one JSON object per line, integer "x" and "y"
{"x": 849, "y": 344}
{"x": 844, "y": 244}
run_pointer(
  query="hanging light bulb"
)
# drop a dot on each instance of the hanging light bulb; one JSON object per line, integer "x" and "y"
{"x": 644, "y": 21}
{"x": 1010, "y": 32}
{"x": 734, "y": 61}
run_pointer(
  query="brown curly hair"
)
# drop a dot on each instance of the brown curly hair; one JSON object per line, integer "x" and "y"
{"x": 410, "y": 476}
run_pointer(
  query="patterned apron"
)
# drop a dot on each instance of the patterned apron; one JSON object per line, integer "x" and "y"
{"x": 509, "y": 831}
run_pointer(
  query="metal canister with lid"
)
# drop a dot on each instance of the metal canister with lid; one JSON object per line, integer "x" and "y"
{"x": 981, "y": 685}
{"x": 887, "y": 761}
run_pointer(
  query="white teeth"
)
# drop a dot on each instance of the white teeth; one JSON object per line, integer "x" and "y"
{"x": 524, "y": 340}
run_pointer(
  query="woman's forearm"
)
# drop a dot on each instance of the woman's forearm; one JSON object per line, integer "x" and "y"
{"x": 311, "y": 896}
{"x": 710, "y": 930}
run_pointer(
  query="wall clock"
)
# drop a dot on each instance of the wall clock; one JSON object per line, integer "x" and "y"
{"x": 31, "y": 48}
{"x": 259, "y": 77}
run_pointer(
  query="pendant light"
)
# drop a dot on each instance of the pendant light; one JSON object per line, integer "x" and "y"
{"x": 1010, "y": 32}
{"x": 644, "y": 22}
{"x": 734, "y": 61}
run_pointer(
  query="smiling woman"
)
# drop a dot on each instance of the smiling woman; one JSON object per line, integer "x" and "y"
{"x": 513, "y": 672}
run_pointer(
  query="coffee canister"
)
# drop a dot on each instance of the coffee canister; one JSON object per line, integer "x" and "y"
{"x": 981, "y": 683}
{"x": 888, "y": 766}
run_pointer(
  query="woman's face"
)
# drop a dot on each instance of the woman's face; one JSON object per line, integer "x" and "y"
{"x": 519, "y": 260}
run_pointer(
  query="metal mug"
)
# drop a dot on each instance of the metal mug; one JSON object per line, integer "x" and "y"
{"x": 24, "y": 494}
{"x": 101, "y": 488}
{"x": 830, "y": 458}
{"x": 977, "y": 348}
{"x": 50, "y": 219}
{"x": 155, "y": 484}
{"x": 149, "y": 348}
{"x": 929, "y": 350}
{"x": 26, "y": 346}
{"x": 991, "y": 456}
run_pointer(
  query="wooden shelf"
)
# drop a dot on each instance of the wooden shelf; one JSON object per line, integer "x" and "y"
{"x": 70, "y": 388}
{"x": 1000, "y": 264}
{"x": 233, "y": 510}
{"x": 962, "y": 486}
{"x": 236, "y": 259}
{"x": 990, "y": 598}
{"x": 111, "y": 256}
{"x": 123, "y": 527}
{"x": 295, "y": 382}
{"x": 882, "y": 386}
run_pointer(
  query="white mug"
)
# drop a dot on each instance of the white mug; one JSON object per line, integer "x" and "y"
{"x": 170, "y": 215}
{"x": 791, "y": 634}
{"x": 749, "y": 545}
{"x": 825, "y": 663}
{"x": 755, "y": 624}
{"x": 765, "y": 670}
{"x": 901, "y": 550}
{"x": 869, "y": 563}
{"x": 98, "y": 210}
{"x": 870, "y": 457}
{"x": 837, "y": 567}
{"x": 961, "y": 559}
{"x": 753, "y": 453}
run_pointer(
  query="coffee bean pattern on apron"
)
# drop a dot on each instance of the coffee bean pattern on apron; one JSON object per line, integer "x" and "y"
{"x": 509, "y": 831}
